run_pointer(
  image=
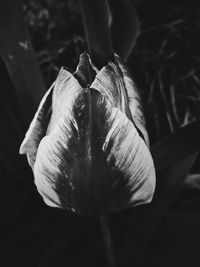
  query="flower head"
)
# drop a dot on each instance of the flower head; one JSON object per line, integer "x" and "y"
{"x": 88, "y": 145}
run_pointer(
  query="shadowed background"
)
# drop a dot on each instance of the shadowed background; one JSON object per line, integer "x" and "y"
{"x": 165, "y": 64}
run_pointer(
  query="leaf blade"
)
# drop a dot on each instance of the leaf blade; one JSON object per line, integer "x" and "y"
{"x": 94, "y": 14}
{"x": 19, "y": 58}
{"x": 182, "y": 143}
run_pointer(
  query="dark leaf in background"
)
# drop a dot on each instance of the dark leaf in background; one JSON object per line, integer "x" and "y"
{"x": 21, "y": 83}
{"x": 124, "y": 27}
{"x": 12, "y": 125}
{"x": 173, "y": 157}
{"x": 18, "y": 55}
{"x": 169, "y": 183}
{"x": 95, "y": 20}
{"x": 182, "y": 143}
{"x": 138, "y": 226}
{"x": 22, "y": 87}
{"x": 193, "y": 181}
{"x": 165, "y": 64}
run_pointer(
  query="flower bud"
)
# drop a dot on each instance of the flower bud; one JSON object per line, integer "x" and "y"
{"x": 88, "y": 145}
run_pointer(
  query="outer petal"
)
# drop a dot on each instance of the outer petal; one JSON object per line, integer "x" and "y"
{"x": 134, "y": 100}
{"x": 93, "y": 160}
{"x": 66, "y": 89}
{"x": 65, "y": 84}
{"x": 116, "y": 84}
{"x": 109, "y": 81}
{"x": 36, "y": 129}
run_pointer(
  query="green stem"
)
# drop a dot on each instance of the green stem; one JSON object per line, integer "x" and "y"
{"x": 104, "y": 220}
{"x": 95, "y": 21}
{"x": 125, "y": 27}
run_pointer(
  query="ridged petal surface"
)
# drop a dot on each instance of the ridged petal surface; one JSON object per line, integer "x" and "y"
{"x": 84, "y": 145}
{"x": 134, "y": 100}
{"x": 94, "y": 161}
{"x": 38, "y": 127}
{"x": 36, "y": 130}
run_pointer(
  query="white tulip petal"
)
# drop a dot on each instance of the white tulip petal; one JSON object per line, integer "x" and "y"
{"x": 94, "y": 160}
{"x": 109, "y": 81}
{"x": 36, "y": 131}
{"x": 66, "y": 88}
{"x": 64, "y": 84}
{"x": 134, "y": 101}
{"x": 89, "y": 156}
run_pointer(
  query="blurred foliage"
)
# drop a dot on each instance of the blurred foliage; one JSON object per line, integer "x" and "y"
{"x": 164, "y": 62}
{"x": 57, "y": 34}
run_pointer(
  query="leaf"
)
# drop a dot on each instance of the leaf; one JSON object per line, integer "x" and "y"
{"x": 124, "y": 27}
{"x": 12, "y": 126}
{"x": 193, "y": 181}
{"x": 173, "y": 157}
{"x": 19, "y": 58}
{"x": 12, "y": 131}
{"x": 91, "y": 158}
{"x": 141, "y": 223}
{"x": 182, "y": 143}
{"x": 94, "y": 14}
{"x": 189, "y": 197}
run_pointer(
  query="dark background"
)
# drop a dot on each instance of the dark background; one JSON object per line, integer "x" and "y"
{"x": 165, "y": 64}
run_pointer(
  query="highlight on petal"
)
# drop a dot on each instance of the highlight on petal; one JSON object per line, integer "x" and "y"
{"x": 94, "y": 161}
{"x": 109, "y": 81}
{"x": 134, "y": 100}
{"x": 64, "y": 84}
{"x": 115, "y": 82}
{"x": 86, "y": 143}
{"x": 66, "y": 88}
{"x": 36, "y": 129}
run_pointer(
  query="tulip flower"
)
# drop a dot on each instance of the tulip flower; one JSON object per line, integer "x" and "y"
{"x": 88, "y": 144}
